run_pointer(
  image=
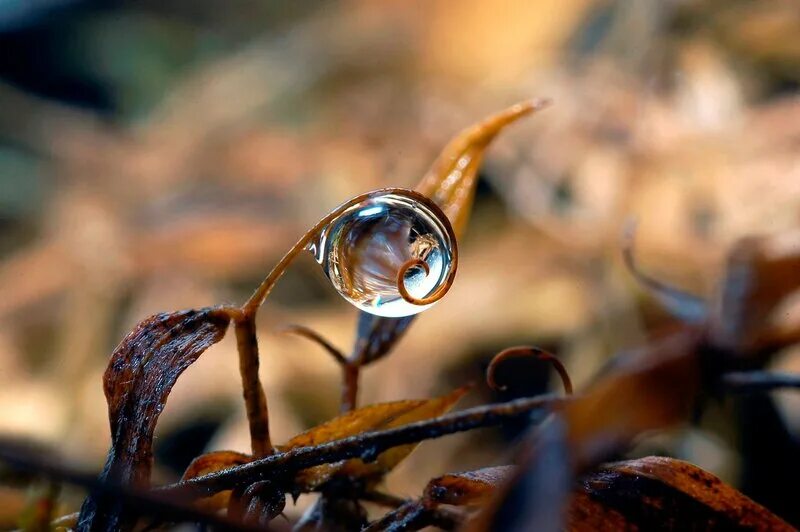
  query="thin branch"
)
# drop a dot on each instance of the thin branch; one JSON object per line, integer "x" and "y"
{"x": 255, "y": 399}
{"x": 366, "y": 446}
{"x": 351, "y": 369}
{"x": 154, "y": 504}
{"x": 314, "y": 336}
{"x": 383, "y": 499}
{"x": 759, "y": 381}
{"x": 351, "y": 373}
{"x": 445, "y": 518}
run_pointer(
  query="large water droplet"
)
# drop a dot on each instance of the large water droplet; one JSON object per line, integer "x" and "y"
{"x": 365, "y": 247}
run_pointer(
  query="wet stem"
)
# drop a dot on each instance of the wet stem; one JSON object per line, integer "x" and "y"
{"x": 255, "y": 399}
{"x": 351, "y": 372}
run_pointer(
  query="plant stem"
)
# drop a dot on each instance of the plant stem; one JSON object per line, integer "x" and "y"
{"x": 285, "y": 464}
{"x": 759, "y": 381}
{"x": 351, "y": 371}
{"x": 255, "y": 399}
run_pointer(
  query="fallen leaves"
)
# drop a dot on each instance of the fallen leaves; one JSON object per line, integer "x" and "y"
{"x": 658, "y": 493}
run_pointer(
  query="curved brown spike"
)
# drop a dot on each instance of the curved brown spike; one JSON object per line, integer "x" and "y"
{"x": 527, "y": 351}
{"x": 681, "y": 304}
{"x": 318, "y": 339}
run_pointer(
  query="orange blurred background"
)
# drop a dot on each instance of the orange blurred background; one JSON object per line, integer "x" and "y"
{"x": 157, "y": 155}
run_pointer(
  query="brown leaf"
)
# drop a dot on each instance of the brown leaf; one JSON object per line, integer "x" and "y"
{"x": 139, "y": 377}
{"x": 761, "y": 272}
{"x": 376, "y": 335}
{"x": 369, "y": 418}
{"x": 452, "y": 179}
{"x": 211, "y": 463}
{"x": 467, "y": 488}
{"x": 658, "y": 493}
{"x": 649, "y": 390}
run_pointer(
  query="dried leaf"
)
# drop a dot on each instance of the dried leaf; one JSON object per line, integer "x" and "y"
{"x": 760, "y": 274}
{"x": 658, "y": 493}
{"x": 452, "y": 179}
{"x": 376, "y": 336}
{"x": 467, "y": 488}
{"x": 649, "y": 390}
{"x": 210, "y": 463}
{"x": 369, "y": 418}
{"x": 139, "y": 377}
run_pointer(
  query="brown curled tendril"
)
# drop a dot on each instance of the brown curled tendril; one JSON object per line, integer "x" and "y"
{"x": 401, "y": 285}
{"x": 261, "y": 293}
{"x": 527, "y": 351}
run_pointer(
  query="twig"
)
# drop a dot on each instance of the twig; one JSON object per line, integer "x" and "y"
{"x": 351, "y": 369}
{"x": 442, "y": 517}
{"x": 759, "y": 381}
{"x": 149, "y": 503}
{"x": 365, "y": 446}
{"x": 255, "y": 399}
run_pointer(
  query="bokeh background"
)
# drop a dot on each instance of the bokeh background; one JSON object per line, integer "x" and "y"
{"x": 163, "y": 154}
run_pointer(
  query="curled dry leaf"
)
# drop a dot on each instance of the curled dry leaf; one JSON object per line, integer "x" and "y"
{"x": 658, "y": 493}
{"x": 369, "y": 418}
{"x": 139, "y": 377}
{"x": 467, "y": 488}
{"x": 211, "y": 463}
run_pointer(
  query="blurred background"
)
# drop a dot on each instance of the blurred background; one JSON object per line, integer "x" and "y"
{"x": 158, "y": 155}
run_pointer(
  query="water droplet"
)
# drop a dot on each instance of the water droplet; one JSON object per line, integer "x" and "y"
{"x": 365, "y": 248}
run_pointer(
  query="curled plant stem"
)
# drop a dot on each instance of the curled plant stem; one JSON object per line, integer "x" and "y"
{"x": 759, "y": 381}
{"x": 258, "y": 297}
{"x": 419, "y": 263}
{"x": 524, "y": 352}
{"x": 244, "y": 319}
{"x": 285, "y": 464}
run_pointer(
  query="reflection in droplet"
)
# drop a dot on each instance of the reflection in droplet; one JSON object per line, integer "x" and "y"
{"x": 364, "y": 249}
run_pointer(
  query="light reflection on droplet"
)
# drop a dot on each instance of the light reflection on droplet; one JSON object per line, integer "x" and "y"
{"x": 364, "y": 248}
